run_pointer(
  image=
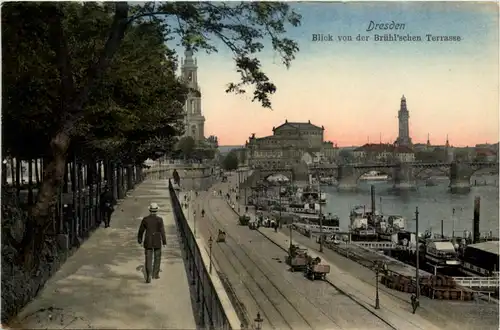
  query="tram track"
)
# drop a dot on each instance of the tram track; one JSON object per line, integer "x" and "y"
{"x": 356, "y": 301}
{"x": 263, "y": 309}
{"x": 330, "y": 283}
{"x": 278, "y": 313}
{"x": 423, "y": 309}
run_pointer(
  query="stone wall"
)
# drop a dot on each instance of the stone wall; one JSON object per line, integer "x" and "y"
{"x": 197, "y": 183}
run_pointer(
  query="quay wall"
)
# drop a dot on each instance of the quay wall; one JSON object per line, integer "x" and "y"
{"x": 213, "y": 304}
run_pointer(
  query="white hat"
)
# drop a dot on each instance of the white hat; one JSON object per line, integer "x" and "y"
{"x": 153, "y": 207}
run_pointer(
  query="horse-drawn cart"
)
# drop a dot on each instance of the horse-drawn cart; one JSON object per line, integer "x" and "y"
{"x": 315, "y": 270}
{"x": 221, "y": 237}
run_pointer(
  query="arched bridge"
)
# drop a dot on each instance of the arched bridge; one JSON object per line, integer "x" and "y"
{"x": 403, "y": 175}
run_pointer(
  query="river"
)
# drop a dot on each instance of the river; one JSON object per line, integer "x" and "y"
{"x": 435, "y": 203}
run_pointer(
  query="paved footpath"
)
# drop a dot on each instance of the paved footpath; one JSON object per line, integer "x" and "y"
{"x": 102, "y": 285}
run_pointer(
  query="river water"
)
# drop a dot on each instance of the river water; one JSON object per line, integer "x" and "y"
{"x": 435, "y": 203}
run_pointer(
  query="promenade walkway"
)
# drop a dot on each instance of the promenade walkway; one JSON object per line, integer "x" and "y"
{"x": 102, "y": 285}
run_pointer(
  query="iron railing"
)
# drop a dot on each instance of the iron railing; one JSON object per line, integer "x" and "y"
{"x": 212, "y": 313}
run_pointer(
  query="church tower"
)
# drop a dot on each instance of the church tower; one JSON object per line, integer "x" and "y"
{"x": 193, "y": 120}
{"x": 404, "y": 129}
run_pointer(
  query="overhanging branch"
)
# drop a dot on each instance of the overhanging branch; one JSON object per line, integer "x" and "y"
{"x": 115, "y": 37}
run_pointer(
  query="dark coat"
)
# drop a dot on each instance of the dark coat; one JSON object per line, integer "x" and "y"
{"x": 107, "y": 197}
{"x": 153, "y": 230}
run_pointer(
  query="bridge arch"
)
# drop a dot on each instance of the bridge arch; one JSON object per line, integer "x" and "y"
{"x": 485, "y": 169}
{"x": 417, "y": 172}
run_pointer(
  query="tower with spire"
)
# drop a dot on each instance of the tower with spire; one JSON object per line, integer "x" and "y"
{"x": 194, "y": 120}
{"x": 404, "y": 127}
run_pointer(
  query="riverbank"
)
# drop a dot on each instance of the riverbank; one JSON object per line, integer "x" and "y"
{"x": 478, "y": 315}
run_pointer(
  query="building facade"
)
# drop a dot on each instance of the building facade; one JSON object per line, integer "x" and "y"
{"x": 287, "y": 146}
{"x": 404, "y": 125}
{"x": 194, "y": 120}
{"x": 383, "y": 153}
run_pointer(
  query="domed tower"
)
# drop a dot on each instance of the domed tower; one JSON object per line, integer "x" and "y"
{"x": 404, "y": 127}
{"x": 194, "y": 119}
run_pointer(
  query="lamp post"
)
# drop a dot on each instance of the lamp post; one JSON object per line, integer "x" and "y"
{"x": 194, "y": 219}
{"x": 258, "y": 322}
{"x": 415, "y": 302}
{"x": 210, "y": 241}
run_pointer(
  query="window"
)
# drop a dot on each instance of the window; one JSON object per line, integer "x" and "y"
{"x": 193, "y": 106}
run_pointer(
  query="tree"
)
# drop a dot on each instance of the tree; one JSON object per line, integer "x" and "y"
{"x": 129, "y": 116}
{"x": 186, "y": 145}
{"x": 230, "y": 162}
{"x": 60, "y": 95}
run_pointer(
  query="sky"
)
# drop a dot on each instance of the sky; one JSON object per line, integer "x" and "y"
{"x": 353, "y": 88}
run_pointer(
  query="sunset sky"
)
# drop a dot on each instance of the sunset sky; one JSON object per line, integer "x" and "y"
{"x": 354, "y": 88}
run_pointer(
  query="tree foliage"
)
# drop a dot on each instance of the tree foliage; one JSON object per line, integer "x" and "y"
{"x": 186, "y": 145}
{"x": 97, "y": 79}
{"x": 230, "y": 161}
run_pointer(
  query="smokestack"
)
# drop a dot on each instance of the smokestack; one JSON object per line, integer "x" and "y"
{"x": 372, "y": 191}
{"x": 475, "y": 226}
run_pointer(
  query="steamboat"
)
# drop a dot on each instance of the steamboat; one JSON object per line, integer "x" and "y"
{"x": 480, "y": 259}
{"x": 386, "y": 227}
{"x": 361, "y": 226}
{"x": 374, "y": 176}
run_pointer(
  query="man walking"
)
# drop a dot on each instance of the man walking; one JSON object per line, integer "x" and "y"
{"x": 107, "y": 202}
{"x": 153, "y": 231}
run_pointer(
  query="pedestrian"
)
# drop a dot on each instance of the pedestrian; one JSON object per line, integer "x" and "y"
{"x": 202, "y": 213}
{"x": 107, "y": 203}
{"x": 152, "y": 233}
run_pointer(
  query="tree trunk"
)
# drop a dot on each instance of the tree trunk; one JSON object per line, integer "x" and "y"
{"x": 66, "y": 179}
{"x": 37, "y": 173}
{"x": 106, "y": 173}
{"x": 130, "y": 177}
{"x": 12, "y": 171}
{"x": 40, "y": 215}
{"x": 114, "y": 187}
{"x": 91, "y": 166}
{"x": 81, "y": 201}
{"x": 98, "y": 192}
{"x": 30, "y": 182}
{"x": 18, "y": 178}
{"x": 119, "y": 182}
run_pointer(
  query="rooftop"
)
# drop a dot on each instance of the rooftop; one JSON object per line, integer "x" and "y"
{"x": 490, "y": 246}
{"x": 300, "y": 126}
{"x": 383, "y": 147}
